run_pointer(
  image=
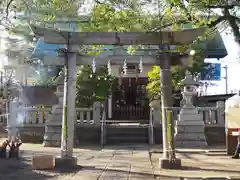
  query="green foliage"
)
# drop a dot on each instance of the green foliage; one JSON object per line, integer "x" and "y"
{"x": 91, "y": 86}
{"x": 196, "y": 65}
{"x": 105, "y": 18}
{"x": 153, "y": 86}
{"x": 208, "y": 13}
{"x": 44, "y": 81}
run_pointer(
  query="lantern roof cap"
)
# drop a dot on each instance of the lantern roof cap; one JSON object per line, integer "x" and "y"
{"x": 188, "y": 80}
{"x": 60, "y": 79}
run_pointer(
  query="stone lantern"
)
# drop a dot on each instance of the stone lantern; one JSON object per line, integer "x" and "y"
{"x": 189, "y": 89}
{"x": 53, "y": 127}
{"x": 190, "y": 127}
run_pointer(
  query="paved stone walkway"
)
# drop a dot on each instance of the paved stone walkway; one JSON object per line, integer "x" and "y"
{"x": 129, "y": 162}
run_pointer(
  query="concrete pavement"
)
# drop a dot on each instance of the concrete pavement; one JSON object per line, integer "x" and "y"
{"x": 128, "y": 162}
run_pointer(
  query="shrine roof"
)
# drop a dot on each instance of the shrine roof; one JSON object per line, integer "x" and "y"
{"x": 39, "y": 95}
{"x": 215, "y": 48}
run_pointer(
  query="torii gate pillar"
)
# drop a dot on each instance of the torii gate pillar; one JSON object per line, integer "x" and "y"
{"x": 69, "y": 113}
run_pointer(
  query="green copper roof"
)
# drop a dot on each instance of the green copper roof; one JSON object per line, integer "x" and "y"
{"x": 214, "y": 47}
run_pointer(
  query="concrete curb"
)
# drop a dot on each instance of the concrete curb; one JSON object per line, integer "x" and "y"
{"x": 196, "y": 178}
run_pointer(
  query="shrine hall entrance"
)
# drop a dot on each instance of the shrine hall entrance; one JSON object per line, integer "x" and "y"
{"x": 129, "y": 100}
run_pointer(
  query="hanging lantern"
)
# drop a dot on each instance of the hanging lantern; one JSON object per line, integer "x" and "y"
{"x": 125, "y": 67}
{"x": 109, "y": 68}
{"x": 94, "y": 65}
{"x": 141, "y": 64}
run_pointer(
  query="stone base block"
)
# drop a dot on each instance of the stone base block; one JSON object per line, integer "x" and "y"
{"x": 190, "y": 129}
{"x": 52, "y": 136}
{"x": 166, "y": 164}
{"x": 191, "y": 144}
{"x": 189, "y": 111}
{"x": 190, "y": 123}
{"x": 50, "y": 143}
{"x": 190, "y": 140}
{"x": 66, "y": 162}
{"x": 190, "y": 137}
{"x": 43, "y": 162}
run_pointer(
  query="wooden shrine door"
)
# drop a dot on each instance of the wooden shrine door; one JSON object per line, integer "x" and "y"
{"x": 129, "y": 100}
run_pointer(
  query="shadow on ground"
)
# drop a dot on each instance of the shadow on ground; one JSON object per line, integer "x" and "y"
{"x": 20, "y": 169}
{"x": 190, "y": 168}
{"x": 117, "y": 171}
{"x": 12, "y": 169}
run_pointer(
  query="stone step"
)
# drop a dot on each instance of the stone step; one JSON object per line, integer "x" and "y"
{"x": 190, "y": 144}
{"x": 190, "y": 137}
{"x": 126, "y": 121}
{"x": 128, "y": 131}
{"x": 129, "y": 139}
{"x": 126, "y": 134}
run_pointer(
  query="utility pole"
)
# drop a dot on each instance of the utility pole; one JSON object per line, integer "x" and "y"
{"x": 226, "y": 78}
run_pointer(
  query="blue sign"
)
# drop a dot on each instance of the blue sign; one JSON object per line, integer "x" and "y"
{"x": 43, "y": 49}
{"x": 211, "y": 72}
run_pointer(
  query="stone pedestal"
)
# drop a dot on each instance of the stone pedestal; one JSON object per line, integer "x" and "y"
{"x": 165, "y": 163}
{"x": 53, "y": 126}
{"x": 190, "y": 129}
{"x": 65, "y": 162}
{"x": 15, "y": 120}
{"x": 53, "y": 129}
{"x": 43, "y": 162}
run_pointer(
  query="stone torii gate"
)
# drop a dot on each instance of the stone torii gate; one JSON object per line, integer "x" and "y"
{"x": 164, "y": 58}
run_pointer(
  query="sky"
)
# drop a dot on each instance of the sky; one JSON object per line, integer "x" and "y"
{"x": 233, "y": 63}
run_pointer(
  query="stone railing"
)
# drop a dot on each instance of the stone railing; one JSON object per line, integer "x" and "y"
{"x": 34, "y": 116}
{"x": 29, "y": 116}
{"x": 212, "y": 116}
{"x": 89, "y": 116}
{"x": 3, "y": 119}
{"x": 84, "y": 116}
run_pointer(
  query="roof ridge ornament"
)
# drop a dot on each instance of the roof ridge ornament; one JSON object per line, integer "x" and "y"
{"x": 141, "y": 64}
{"x": 125, "y": 67}
{"x": 109, "y": 68}
{"x": 94, "y": 68}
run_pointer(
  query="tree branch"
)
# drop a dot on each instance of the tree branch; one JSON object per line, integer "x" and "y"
{"x": 237, "y": 19}
{"x": 217, "y": 21}
{"x": 8, "y": 6}
{"x": 98, "y": 2}
{"x": 222, "y": 6}
{"x": 169, "y": 25}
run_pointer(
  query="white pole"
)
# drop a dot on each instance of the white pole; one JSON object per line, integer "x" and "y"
{"x": 69, "y": 112}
